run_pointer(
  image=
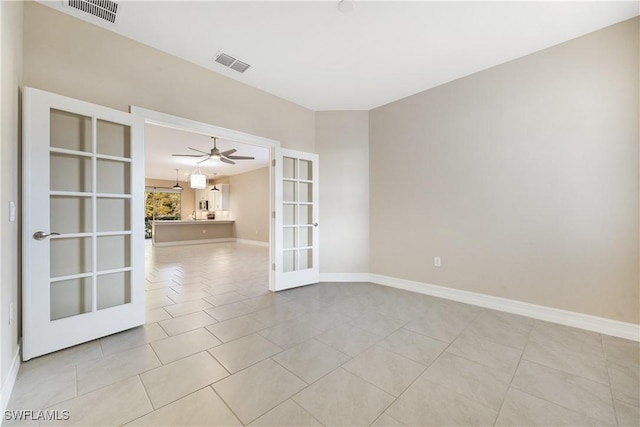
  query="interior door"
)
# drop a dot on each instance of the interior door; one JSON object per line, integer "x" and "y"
{"x": 296, "y": 261}
{"x": 83, "y": 228}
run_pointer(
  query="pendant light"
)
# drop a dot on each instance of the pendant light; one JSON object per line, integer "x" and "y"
{"x": 198, "y": 180}
{"x": 214, "y": 183}
{"x": 177, "y": 186}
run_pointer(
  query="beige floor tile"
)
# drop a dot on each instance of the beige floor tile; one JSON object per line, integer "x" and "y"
{"x": 41, "y": 388}
{"x": 628, "y": 415}
{"x": 384, "y": 369}
{"x": 202, "y": 408}
{"x": 116, "y": 404}
{"x": 156, "y": 315}
{"x": 188, "y": 322}
{"x": 377, "y": 324}
{"x": 178, "y": 379}
{"x": 523, "y": 409}
{"x": 254, "y": 391}
{"x": 290, "y": 334}
{"x": 583, "y": 364}
{"x": 235, "y": 328}
{"x": 221, "y": 289}
{"x": 187, "y": 307}
{"x": 226, "y": 298}
{"x": 189, "y": 294}
{"x": 60, "y": 359}
{"x": 323, "y": 320}
{"x": 343, "y": 399}
{"x": 481, "y": 383}
{"x": 244, "y": 352}
{"x": 284, "y": 312}
{"x": 582, "y": 395}
{"x": 288, "y": 413}
{"x": 386, "y": 420}
{"x": 161, "y": 292}
{"x": 229, "y": 311}
{"x": 414, "y": 346}
{"x": 311, "y": 360}
{"x": 485, "y": 352}
{"x": 492, "y": 328}
{"x": 561, "y": 338}
{"x": 131, "y": 338}
{"x": 621, "y": 351}
{"x": 429, "y": 404}
{"x": 436, "y": 324}
{"x": 157, "y": 302}
{"x": 96, "y": 374}
{"x": 348, "y": 339}
{"x": 179, "y": 346}
{"x": 625, "y": 382}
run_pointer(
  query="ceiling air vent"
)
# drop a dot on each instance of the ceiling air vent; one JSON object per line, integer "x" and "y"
{"x": 231, "y": 62}
{"x": 103, "y": 9}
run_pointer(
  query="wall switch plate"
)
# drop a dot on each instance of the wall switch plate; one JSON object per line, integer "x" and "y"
{"x": 436, "y": 261}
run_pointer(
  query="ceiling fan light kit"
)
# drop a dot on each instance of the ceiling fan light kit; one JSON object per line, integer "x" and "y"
{"x": 215, "y": 153}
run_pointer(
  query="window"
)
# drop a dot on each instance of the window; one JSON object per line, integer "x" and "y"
{"x": 161, "y": 204}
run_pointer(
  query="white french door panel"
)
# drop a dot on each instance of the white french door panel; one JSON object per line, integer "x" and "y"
{"x": 296, "y": 229}
{"x": 83, "y": 228}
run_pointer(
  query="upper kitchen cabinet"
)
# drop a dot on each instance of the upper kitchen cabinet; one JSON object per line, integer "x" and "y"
{"x": 219, "y": 200}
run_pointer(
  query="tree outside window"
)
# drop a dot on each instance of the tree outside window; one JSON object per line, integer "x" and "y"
{"x": 161, "y": 204}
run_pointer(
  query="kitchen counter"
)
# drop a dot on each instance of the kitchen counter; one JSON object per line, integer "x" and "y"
{"x": 192, "y": 232}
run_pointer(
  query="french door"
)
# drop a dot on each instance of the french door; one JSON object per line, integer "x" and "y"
{"x": 296, "y": 219}
{"x": 83, "y": 230}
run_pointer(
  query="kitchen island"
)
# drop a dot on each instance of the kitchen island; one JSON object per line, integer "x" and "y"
{"x": 192, "y": 232}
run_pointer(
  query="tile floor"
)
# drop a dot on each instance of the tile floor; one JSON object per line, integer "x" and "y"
{"x": 219, "y": 349}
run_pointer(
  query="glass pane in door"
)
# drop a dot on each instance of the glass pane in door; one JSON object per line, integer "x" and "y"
{"x": 114, "y": 289}
{"x": 70, "y": 297}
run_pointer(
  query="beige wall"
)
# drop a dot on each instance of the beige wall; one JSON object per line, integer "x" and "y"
{"x": 11, "y": 80}
{"x": 342, "y": 142}
{"x": 249, "y": 204}
{"x": 67, "y": 56}
{"x": 523, "y": 178}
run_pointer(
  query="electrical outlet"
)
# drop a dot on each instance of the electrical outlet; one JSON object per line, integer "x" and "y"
{"x": 436, "y": 261}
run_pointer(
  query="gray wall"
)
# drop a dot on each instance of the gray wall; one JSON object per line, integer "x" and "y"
{"x": 342, "y": 141}
{"x": 11, "y": 81}
{"x": 523, "y": 178}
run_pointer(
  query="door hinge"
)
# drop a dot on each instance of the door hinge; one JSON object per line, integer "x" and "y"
{"x": 273, "y": 214}
{"x": 273, "y": 267}
{"x": 273, "y": 162}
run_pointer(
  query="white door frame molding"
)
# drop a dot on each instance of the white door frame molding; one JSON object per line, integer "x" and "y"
{"x": 188, "y": 125}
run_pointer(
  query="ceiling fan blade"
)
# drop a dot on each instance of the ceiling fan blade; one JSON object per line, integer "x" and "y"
{"x": 187, "y": 155}
{"x": 208, "y": 158}
{"x": 199, "y": 151}
{"x": 225, "y": 160}
{"x": 226, "y": 153}
{"x": 241, "y": 157}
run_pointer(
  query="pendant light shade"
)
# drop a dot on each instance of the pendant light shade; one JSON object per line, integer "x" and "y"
{"x": 198, "y": 180}
{"x": 177, "y": 186}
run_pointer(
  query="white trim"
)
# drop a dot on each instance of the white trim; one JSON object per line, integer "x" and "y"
{"x": 195, "y": 242}
{"x": 588, "y": 322}
{"x": 345, "y": 277}
{"x": 253, "y": 242}
{"x": 10, "y": 381}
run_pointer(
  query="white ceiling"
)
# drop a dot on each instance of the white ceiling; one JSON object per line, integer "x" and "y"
{"x": 316, "y": 56}
{"x": 162, "y": 142}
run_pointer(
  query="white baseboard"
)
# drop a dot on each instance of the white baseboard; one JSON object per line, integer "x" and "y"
{"x": 194, "y": 242}
{"x": 253, "y": 242}
{"x": 588, "y": 322}
{"x": 345, "y": 277}
{"x": 10, "y": 381}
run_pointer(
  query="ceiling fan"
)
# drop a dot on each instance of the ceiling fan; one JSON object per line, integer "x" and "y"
{"x": 224, "y": 156}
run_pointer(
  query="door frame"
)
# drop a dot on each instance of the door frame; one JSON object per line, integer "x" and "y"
{"x": 168, "y": 120}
